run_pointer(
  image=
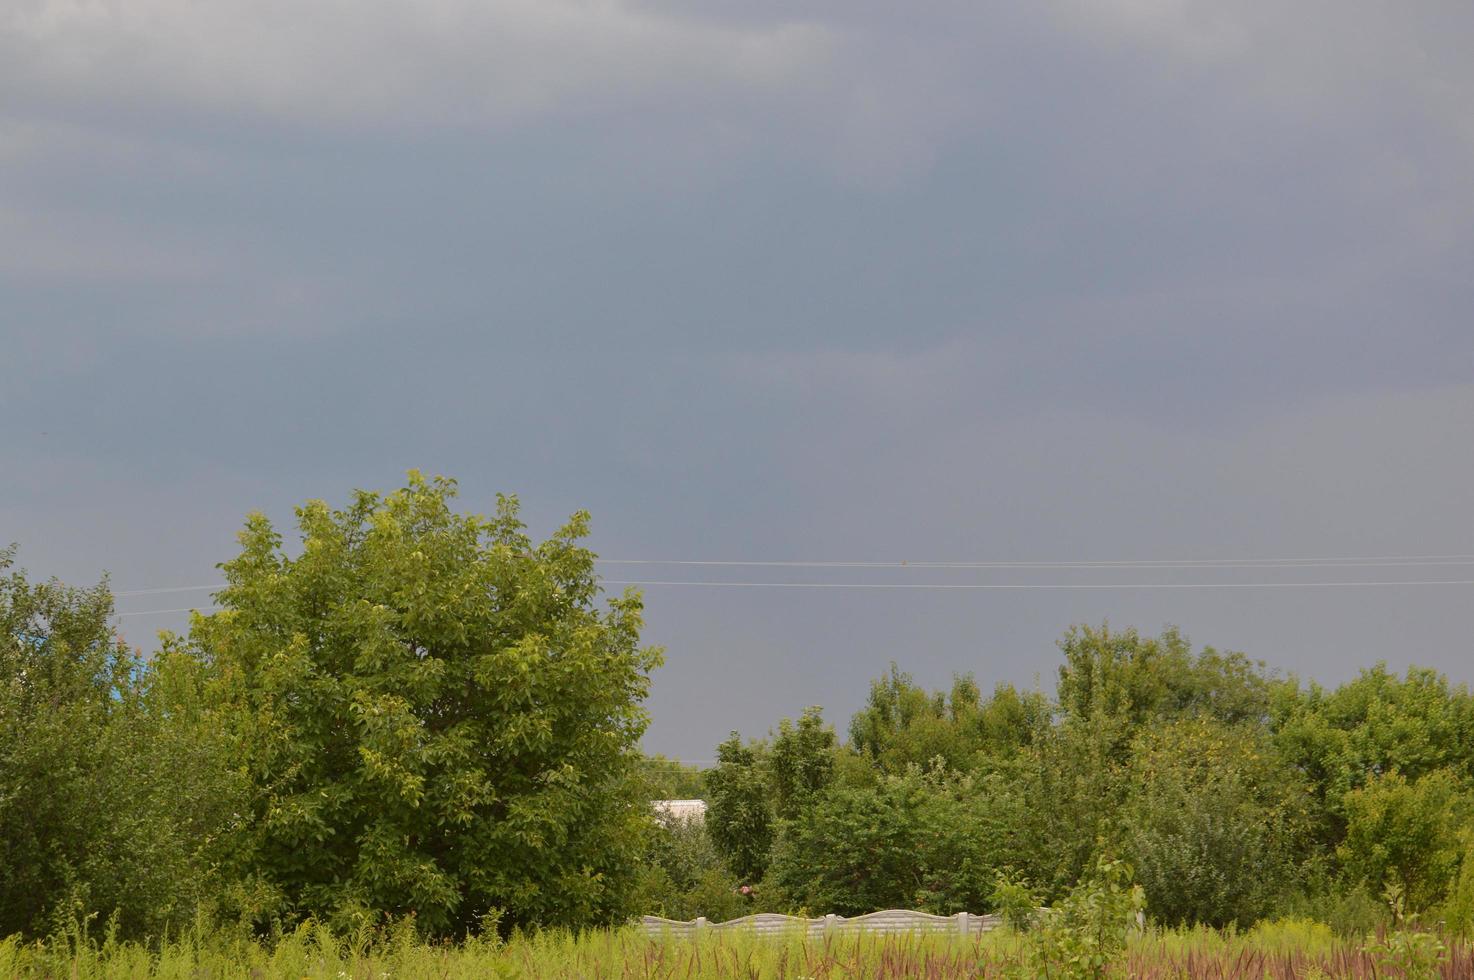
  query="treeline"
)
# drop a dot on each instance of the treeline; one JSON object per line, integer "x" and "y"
{"x": 410, "y": 715}
{"x": 1234, "y": 795}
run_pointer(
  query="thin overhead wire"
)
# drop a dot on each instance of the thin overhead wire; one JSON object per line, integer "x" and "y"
{"x": 172, "y": 588}
{"x": 1372, "y": 561}
{"x": 160, "y": 612}
{"x": 982, "y": 587}
{"x": 1061, "y": 587}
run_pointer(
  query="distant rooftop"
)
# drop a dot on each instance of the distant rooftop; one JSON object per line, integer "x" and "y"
{"x": 680, "y": 811}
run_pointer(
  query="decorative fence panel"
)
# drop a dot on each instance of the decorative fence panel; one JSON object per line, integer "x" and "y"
{"x": 771, "y": 923}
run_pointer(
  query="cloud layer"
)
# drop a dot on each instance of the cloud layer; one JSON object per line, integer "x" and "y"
{"x": 1118, "y": 278}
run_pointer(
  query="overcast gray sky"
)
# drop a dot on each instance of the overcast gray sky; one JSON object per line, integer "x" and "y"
{"x": 839, "y": 280}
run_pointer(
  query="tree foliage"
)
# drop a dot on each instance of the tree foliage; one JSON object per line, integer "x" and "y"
{"x": 1376, "y": 724}
{"x": 930, "y": 840}
{"x": 1140, "y": 680}
{"x": 435, "y": 715}
{"x": 1230, "y": 790}
{"x": 1213, "y": 824}
{"x": 800, "y": 762}
{"x": 1406, "y": 834}
{"x": 903, "y": 725}
{"x": 671, "y": 779}
{"x": 683, "y": 876}
{"x": 739, "y": 814}
{"x": 113, "y": 793}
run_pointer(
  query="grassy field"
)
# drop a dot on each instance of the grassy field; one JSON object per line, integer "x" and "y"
{"x": 1292, "y": 950}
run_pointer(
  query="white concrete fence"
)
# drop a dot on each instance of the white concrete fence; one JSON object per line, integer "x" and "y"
{"x": 771, "y": 923}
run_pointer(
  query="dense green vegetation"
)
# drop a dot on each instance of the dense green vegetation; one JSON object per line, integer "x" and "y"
{"x": 1233, "y": 794}
{"x": 417, "y": 719}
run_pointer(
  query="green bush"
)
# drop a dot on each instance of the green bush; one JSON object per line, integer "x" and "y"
{"x": 1407, "y": 951}
{"x": 1084, "y": 938}
{"x": 1458, "y": 911}
{"x": 1406, "y": 834}
{"x": 1376, "y": 724}
{"x": 1015, "y": 901}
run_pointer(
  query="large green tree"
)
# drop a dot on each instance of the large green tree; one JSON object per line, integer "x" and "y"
{"x": 438, "y": 717}
{"x": 1076, "y": 783}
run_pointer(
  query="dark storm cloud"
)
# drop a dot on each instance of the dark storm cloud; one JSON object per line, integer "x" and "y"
{"x": 1142, "y": 278}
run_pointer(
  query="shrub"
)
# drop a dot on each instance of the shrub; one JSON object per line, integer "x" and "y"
{"x": 1291, "y": 934}
{"x": 1085, "y": 937}
{"x": 1407, "y": 951}
{"x": 1015, "y": 901}
{"x": 1405, "y": 834}
{"x": 1458, "y": 912}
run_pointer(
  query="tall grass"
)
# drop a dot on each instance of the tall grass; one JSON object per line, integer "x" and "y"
{"x": 1296, "y": 949}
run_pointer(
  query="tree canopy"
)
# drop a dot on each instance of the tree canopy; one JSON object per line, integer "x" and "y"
{"x": 415, "y": 715}
{"x": 436, "y": 716}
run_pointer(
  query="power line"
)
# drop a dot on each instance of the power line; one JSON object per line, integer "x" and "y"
{"x": 975, "y": 586}
{"x": 160, "y": 612}
{"x": 1390, "y": 561}
{"x": 982, "y": 587}
{"x": 1374, "y": 561}
{"x": 174, "y": 588}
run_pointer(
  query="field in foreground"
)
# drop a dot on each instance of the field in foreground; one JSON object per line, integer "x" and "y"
{"x": 1296, "y": 950}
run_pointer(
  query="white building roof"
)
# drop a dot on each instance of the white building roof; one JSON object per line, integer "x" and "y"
{"x": 680, "y": 811}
